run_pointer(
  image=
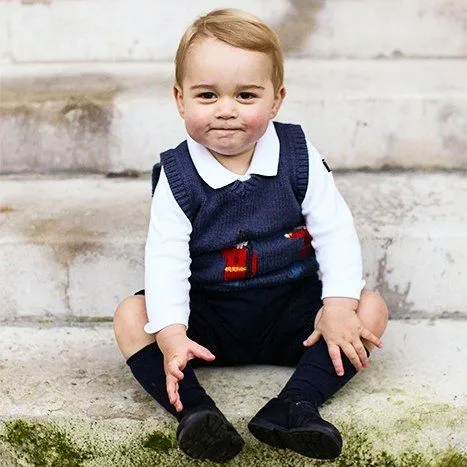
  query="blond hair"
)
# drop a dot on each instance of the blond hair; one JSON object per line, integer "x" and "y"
{"x": 238, "y": 29}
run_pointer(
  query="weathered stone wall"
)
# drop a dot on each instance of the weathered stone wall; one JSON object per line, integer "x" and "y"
{"x": 86, "y": 87}
{"x": 86, "y": 84}
{"x": 148, "y": 30}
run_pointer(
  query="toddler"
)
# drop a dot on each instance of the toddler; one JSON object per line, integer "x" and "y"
{"x": 251, "y": 257}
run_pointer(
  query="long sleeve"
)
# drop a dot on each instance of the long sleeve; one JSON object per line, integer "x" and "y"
{"x": 334, "y": 238}
{"x": 167, "y": 261}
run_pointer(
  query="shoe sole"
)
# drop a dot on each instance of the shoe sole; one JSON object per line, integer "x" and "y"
{"x": 206, "y": 435}
{"x": 315, "y": 442}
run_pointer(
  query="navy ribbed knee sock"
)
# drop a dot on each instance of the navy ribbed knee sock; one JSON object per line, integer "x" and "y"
{"x": 147, "y": 366}
{"x": 315, "y": 379}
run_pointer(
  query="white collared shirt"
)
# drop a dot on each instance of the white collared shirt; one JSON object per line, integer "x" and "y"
{"x": 167, "y": 253}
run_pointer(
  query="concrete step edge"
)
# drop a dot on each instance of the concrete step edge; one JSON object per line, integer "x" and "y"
{"x": 42, "y": 82}
{"x": 71, "y": 384}
{"x": 83, "y": 233}
{"x": 50, "y": 320}
{"x": 386, "y": 115}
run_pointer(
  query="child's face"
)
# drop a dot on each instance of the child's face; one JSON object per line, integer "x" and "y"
{"x": 227, "y": 97}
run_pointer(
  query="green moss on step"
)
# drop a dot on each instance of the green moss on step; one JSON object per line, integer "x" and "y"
{"x": 43, "y": 445}
{"x": 452, "y": 458}
{"x": 91, "y": 319}
{"x": 360, "y": 450}
{"x": 160, "y": 442}
{"x": 124, "y": 443}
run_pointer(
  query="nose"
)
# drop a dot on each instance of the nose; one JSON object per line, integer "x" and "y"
{"x": 226, "y": 109}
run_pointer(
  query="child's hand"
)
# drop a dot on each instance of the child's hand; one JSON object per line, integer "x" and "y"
{"x": 178, "y": 350}
{"x": 337, "y": 322}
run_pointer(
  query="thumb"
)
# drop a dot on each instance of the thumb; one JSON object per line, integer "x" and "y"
{"x": 313, "y": 338}
{"x": 198, "y": 351}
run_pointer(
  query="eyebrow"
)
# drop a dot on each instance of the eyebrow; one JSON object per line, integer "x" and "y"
{"x": 211, "y": 86}
{"x": 251, "y": 86}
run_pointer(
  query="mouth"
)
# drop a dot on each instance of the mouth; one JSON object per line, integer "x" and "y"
{"x": 226, "y": 129}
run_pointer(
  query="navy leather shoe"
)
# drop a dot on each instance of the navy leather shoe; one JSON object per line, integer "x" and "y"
{"x": 297, "y": 426}
{"x": 204, "y": 433}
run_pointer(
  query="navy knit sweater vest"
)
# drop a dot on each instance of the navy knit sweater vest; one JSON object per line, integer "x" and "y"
{"x": 249, "y": 233}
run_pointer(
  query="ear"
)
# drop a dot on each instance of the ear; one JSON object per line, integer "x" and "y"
{"x": 278, "y": 99}
{"x": 178, "y": 95}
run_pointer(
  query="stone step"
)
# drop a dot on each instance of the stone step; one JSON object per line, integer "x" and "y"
{"x": 72, "y": 249}
{"x": 67, "y": 396}
{"x": 97, "y": 117}
{"x": 124, "y": 30}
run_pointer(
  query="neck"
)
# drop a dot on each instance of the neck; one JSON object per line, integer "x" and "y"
{"x": 238, "y": 163}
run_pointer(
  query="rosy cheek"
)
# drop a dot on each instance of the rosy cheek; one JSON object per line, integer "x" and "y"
{"x": 258, "y": 122}
{"x": 194, "y": 120}
{"x": 196, "y": 125}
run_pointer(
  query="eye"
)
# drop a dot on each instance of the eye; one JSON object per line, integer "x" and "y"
{"x": 246, "y": 96}
{"x": 207, "y": 95}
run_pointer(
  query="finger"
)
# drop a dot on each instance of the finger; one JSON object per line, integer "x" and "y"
{"x": 369, "y": 336}
{"x": 361, "y": 352}
{"x": 335, "y": 354}
{"x": 198, "y": 351}
{"x": 314, "y": 337}
{"x": 173, "y": 367}
{"x": 171, "y": 386}
{"x": 174, "y": 371}
{"x": 352, "y": 355}
{"x": 172, "y": 392}
{"x": 178, "y": 403}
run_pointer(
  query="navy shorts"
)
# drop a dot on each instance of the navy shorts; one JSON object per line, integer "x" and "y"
{"x": 264, "y": 325}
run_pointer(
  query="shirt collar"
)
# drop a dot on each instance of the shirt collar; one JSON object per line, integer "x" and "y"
{"x": 265, "y": 160}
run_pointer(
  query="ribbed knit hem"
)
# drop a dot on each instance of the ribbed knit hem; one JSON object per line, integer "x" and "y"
{"x": 243, "y": 188}
{"x": 170, "y": 160}
{"x": 301, "y": 152}
{"x": 295, "y": 138}
{"x": 156, "y": 173}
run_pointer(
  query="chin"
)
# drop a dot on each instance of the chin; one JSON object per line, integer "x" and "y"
{"x": 227, "y": 151}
